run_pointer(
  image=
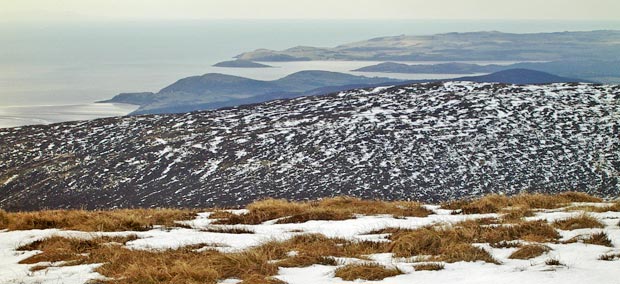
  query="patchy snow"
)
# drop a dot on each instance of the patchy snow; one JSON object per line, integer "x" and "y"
{"x": 580, "y": 260}
{"x": 9, "y": 180}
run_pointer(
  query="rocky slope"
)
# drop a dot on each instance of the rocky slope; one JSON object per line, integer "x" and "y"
{"x": 429, "y": 142}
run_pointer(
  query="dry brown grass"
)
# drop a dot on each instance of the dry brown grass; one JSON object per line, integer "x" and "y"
{"x": 337, "y": 208}
{"x": 316, "y": 245}
{"x": 184, "y": 265}
{"x": 366, "y": 271}
{"x": 307, "y": 260}
{"x": 188, "y": 265}
{"x": 453, "y": 243}
{"x": 516, "y": 214}
{"x": 4, "y": 219}
{"x": 600, "y": 239}
{"x": 432, "y": 266}
{"x": 614, "y": 207}
{"x": 553, "y": 262}
{"x": 529, "y": 251}
{"x": 494, "y": 203}
{"x": 579, "y": 222}
{"x": 227, "y": 230}
{"x": 91, "y": 221}
{"x": 610, "y": 256}
{"x": 506, "y": 244}
{"x": 466, "y": 252}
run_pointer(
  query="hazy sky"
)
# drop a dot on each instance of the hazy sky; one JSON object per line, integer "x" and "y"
{"x": 60, "y": 10}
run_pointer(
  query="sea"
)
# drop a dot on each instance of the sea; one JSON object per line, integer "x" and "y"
{"x": 54, "y": 72}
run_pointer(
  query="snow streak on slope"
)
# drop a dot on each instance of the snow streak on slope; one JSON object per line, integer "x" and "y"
{"x": 428, "y": 142}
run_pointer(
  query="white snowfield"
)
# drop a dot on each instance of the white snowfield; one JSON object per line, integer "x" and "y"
{"x": 580, "y": 261}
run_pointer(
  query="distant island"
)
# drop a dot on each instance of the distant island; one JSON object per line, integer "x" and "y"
{"x": 213, "y": 90}
{"x": 590, "y": 55}
{"x": 443, "y": 68}
{"x": 605, "y": 71}
{"x": 471, "y": 46}
{"x": 240, "y": 63}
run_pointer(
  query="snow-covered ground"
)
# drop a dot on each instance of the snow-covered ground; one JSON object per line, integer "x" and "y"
{"x": 580, "y": 261}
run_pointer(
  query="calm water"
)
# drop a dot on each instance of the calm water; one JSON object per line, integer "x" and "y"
{"x": 80, "y": 63}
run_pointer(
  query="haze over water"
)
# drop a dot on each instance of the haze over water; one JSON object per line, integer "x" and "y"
{"x": 80, "y": 63}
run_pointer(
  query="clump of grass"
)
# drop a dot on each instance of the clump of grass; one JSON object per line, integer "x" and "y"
{"x": 91, "y": 221}
{"x": 448, "y": 245}
{"x": 614, "y": 207}
{"x": 553, "y": 262}
{"x": 506, "y": 244}
{"x": 494, "y": 203}
{"x": 316, "y": 245}
{"x": 4, "y": 219}
{"x": 466, "y": 252}
{"x": 433, "y": 266}
{"x": 423, "y": 241}
{"x": 610, "y": 256}
{"x": 183, "y": 265}
{"x": 337, "y": 208}
{"x": 534, "y": 231}
{"x": 70, "y": 250}
{"x": 529, "y": 251}
{"x": 574, "y": 196}
{"x": 307, "y": 260}
{"x": 516, "y": 214}
{"x": 600, "y": 239}
{"x": 316, "y": 214}
{"x": 366, "y": 271}
{"x": 227, "y": 230}
{"x": 453, "y": 243}
{"x": 260, "y": 279}
{"x": 579, "y": 222}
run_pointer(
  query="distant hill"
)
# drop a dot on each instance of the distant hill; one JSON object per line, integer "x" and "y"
{"x": 212, "y": 91}
{"x": 520, "y": 77}
{"x": 472, "y": 46}
{"x": 443, "y": 68}
{"x": 240, "y": 63}
{"x": 606, "y": 71}
{"x": 215, "y": 90}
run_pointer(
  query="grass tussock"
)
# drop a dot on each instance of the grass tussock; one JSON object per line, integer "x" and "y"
{"x": 614, "y": 207}
{"x": 306, "y": 260}
{"x": 366, "y": 271}
{"x": 506, "y": 244}
{"x": 227, "y": 230}
{"x": 184, "y": 265}
{"x": 466, "y": 252}
{"x": 553, "y": 262}
{"x": 494, "y": 203}
{"x": 610, "y": 257}
{"x": 432, "y": 266}
{"x": 4, "y": 219}
{"x": 92, "y": 221}
{"x": 453, "y": 243}
{"x": 444, "y": 245}
{"x": 600, "y": 239}
{"x": 516, "y": 214}
{"x": 189, "y": 265}
{"x": 579, "y": 222}
{"x": 530, "y": 251}
{"x": 337, "y": 208}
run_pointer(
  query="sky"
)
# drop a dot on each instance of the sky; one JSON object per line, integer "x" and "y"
{"x": 137, "y": 10}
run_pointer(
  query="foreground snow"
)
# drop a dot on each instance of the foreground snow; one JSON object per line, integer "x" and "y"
{"x": 580, "y": 261}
